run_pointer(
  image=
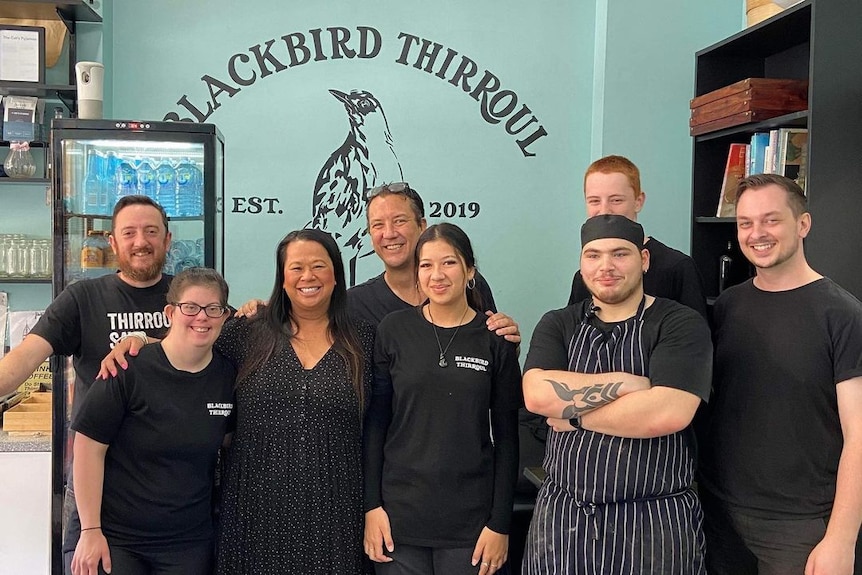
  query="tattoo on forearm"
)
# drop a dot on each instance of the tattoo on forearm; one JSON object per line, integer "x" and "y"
{"x": 585, "y": 398}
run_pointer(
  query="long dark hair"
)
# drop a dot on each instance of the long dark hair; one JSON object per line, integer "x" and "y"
{"x": 272, "y": 328}
{"x": 455, "y": 237}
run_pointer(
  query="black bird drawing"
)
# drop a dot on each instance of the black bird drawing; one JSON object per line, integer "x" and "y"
{"x": 366, "y": 159}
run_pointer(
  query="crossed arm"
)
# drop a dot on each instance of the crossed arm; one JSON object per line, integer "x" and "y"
{"x": 616, "y": 403}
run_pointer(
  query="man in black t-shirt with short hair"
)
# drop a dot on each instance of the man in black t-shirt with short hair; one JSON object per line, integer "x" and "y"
{"x": 619, "y": 377}
{"x": 396, "y": 218}
{"x": 781, "y": 459}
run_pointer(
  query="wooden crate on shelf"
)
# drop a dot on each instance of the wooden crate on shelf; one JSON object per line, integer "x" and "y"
{"x": 749, "y": 100}
{"x": 31, "y": 415}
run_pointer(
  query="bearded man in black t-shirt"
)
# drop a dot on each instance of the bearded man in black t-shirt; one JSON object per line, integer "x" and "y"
{"x": 90, "y": 316}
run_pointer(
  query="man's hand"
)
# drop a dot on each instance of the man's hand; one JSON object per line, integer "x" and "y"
{"x": 92, "y": 549}
{"x": 504, "y": 326}
{"x": 831, "y": 557}
{"x": 117, "y": 357}
{"x": 249, "y": 308}
{"x": 559, "y": 424}
{"x": 378, "y": 533}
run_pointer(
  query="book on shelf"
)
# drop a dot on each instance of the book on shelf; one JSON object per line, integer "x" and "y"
{"x": 770, "y": 165}
{"x": 792, "y": 154}
{"x": 757, "y": 155}
{"x": 734, "y": 170}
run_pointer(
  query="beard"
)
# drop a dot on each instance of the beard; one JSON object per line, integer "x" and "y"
{"x": 141, "y": 274}
{"x": 613, "y": 296}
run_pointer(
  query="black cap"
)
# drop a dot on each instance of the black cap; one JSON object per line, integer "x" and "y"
{"x": 612, "y": 226}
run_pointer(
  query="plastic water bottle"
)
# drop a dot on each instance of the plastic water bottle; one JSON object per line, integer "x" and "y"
{"x": 166, "y": 187}
{"x": 146, "y": 176}
{"x": 125, "y": 180}
{"x": 93, "y": 184}
{"x": 109, "y": 187}
{"x": 190, "y": 189}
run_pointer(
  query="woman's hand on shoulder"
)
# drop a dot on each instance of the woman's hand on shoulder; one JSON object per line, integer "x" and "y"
{"x": 91, "y": 550}
{"x": 491, "y": 551}
{"x": 378, "y": 533}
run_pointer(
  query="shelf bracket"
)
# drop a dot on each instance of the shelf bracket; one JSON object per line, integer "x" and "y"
{"x": 68, "y": 20}
{"x": 68, "y": 102}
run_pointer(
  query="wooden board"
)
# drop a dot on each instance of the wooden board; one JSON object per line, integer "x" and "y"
{"x": 749, "y": 100}
{"x": 32, "y": 414}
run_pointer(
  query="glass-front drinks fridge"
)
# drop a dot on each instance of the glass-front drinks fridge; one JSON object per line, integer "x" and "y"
{"x": 95, "y": 163}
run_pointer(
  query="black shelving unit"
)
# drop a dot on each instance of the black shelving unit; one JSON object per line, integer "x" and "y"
{"x": 818, "y": 41}
{"x": 70, "y": 12}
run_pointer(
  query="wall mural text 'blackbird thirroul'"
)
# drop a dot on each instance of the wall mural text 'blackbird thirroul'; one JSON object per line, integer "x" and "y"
{"x": 364, "y": 160}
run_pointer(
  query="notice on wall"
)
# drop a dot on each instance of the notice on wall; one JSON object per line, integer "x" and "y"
{"x": 20, "y": 54}
{"x": 20, "y": 324}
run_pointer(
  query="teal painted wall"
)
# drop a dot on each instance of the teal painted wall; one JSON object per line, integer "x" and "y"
{"x": 648, "y": 82}
{"x": 599, "y": 78}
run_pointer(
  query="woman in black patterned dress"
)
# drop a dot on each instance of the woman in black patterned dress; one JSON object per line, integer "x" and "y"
{"x": 292, "y": 490}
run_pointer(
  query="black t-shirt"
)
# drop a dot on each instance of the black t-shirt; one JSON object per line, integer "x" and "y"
{"x": 676, "y": 344}
{"x": 774, "y": 436}
{"x": 429, "y": 459}
{"x": 90, "y": 316}
{"x": 672, "y": 275}
{"x": 374, "y": 299}
{"x": 673, "y": 349}
{"x": 163, "y": 427}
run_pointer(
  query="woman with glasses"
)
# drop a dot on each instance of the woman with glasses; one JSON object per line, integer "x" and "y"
{"x": 292, "y": 489}
{"x": 441, "y": 437}
{"x": 147, "y": 442}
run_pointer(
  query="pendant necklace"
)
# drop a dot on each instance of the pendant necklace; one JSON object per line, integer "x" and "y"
{"x": 443, "y": 350}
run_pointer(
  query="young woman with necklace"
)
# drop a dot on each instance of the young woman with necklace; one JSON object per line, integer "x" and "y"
{"x": 441, "y": 434}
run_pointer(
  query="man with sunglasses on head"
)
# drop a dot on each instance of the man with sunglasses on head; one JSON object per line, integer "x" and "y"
{"x": 396, "y": 218}
{"x": 90, "y": 316}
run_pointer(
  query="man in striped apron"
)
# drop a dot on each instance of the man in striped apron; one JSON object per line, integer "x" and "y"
{"x": 620, "y": 377}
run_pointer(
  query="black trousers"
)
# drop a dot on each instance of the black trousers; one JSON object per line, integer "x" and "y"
{"x": 414, "y": 560}
{"x": 197, "y": 560}
{"x": 739, "y": 544}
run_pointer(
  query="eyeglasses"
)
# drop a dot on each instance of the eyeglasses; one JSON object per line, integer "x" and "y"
{"x": 401, "y": 188}
{"x": 193, "y": 309}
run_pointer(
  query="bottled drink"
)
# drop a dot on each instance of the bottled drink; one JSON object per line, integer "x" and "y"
{"x": 725, "y": 268}
{"x": 110, "y": 256}
{"x": 189, "y": 189}
{"x": 109, "y": 185}
{"x": 125, "y": 180}
{"x": 93, "y": 184}
{"x": 166, "y": 187}
{"x": 146, "y": 176}
{"x": 93, "y": 254}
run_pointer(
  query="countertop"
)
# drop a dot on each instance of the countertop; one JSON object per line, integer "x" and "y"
{"x": 17, "y": 443}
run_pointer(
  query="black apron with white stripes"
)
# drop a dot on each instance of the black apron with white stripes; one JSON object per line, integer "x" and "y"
{"x": 613, "y": 505}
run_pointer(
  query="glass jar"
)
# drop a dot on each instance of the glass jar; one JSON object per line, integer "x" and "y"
{"x": 19, "y": 163}
{"x": 40, "y": 258}
{"x": 92, "y": 253}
